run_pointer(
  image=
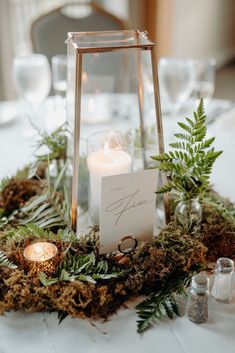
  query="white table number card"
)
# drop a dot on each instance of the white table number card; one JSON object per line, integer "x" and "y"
{"x": 127, "y": 207}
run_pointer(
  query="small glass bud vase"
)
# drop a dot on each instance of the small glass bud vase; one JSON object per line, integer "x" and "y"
{"x": 188, "y": 213}
{"x": 222, "y": 286}
{"x": 197, "y": 306}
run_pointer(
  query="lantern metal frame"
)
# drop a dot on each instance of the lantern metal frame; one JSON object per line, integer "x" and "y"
{"x": 143, "y": 43}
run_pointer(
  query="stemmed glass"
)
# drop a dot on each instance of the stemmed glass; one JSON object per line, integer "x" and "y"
{"x": 59, "y": 74}
{"x": 205, "y": 81}
{"x": 177, "y": 78}
{"x": 59, "y": 83}
{"x": 32, "y": 78}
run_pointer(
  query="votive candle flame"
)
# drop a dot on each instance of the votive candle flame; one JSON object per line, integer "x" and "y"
{"x": 40, "y": 252}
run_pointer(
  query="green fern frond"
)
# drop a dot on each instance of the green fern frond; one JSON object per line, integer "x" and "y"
{"x": 185, "y": 137}
{"x": 165, "y": 188}
{"x": 179, "y": 145}
{"x": 84, "y": 268}
{"x": 56, "y": 143}
{"x": 4, "y": 261}
{"x": 78, "y": 266}
{"x": 4, "y": 182}
{"x": 191, "y": 123}
{"x": 156, "y": 307}
{"x": 163, "y": 304}
{"x": 207, "y": 143}
{"x": 47, "y": 210}
{"x": 47, "y": 281}
{"x": 185, "y": 127}
{"x": 189, "y": 165}
{"x": 62, "y": 315}
{"x": 33, "y": 231}
{"x": 226, "y": 211}
{"x": 162, "y": 157}
{"x": 200, "y": 109}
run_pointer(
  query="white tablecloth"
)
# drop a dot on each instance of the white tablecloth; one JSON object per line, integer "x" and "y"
{"x": 27, "y": 333}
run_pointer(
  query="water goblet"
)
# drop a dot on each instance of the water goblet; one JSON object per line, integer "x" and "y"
{"x": 177, "y": 78}
{"x": 205, "y": 81}
{"x": 59, "y": 74}
{"x": 32, "y": 78}
{"x": 59, "y": 83}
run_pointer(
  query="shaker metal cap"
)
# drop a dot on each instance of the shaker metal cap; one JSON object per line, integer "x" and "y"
{"x": 200, "y": 282}
{"x": 225, "y": 265}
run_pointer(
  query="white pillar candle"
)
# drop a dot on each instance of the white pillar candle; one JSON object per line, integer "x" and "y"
{"x": 104, "y": 163}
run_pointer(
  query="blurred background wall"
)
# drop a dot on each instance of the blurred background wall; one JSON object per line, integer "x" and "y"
{"x": 196, "y": 28}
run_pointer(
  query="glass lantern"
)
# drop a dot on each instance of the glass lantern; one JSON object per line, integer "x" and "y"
{"x": 113, "y": 112}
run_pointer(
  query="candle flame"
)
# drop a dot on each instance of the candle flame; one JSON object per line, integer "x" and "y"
{"x": 84, "y": 76}
{"x": 107, "y": 150}
{"x": 40, "y": 252}
{"x": 91, "y": 105}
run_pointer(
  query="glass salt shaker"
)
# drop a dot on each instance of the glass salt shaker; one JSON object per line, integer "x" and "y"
{"x": 222, "y": 286}
{"x": 197, "y": 306}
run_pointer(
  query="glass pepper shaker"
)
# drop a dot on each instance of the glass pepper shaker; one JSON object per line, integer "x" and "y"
{"x": 222, "y": 286}
{"x": 197, "y": 306}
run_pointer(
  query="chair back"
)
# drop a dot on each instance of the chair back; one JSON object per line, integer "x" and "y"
{"x": 49, "y": 31}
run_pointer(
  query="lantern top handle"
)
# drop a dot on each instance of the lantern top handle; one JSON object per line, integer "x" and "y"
{"x": 88, "y": 42}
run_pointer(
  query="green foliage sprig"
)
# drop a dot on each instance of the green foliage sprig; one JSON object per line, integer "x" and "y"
{"x": 4, "y": 261}
{"x": 4, "y": 182}
{"x": 56, "y": 144}
{"x": 83, "y": 268}
{"x": 163, "y": 303}
{"x": 225, "y": 209}
{"x": 46, "y": 211}
{"x": 31, "y": 230}
{"x": 189, "y": 164}
{"x": 50, "y": 209}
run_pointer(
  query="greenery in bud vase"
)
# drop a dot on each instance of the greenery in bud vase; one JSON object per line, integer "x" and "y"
{"x": 188, "y": 167}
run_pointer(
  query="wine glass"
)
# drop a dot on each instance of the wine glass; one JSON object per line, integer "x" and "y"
{"x": 32, "y": 78}
{"x": 59, "y": 74}
{"x": 176, "y": 78}
{"x": 205, "y": 81}
{"x": 59, "y": 83}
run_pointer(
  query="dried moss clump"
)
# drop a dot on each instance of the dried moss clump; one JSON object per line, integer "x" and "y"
{"x": 171, "y": 254}
{"x": 217, "y": 234}
{"x": 18, "y": 291}
{"x": 17, "y": 193}
{"x": 149, "y": 267}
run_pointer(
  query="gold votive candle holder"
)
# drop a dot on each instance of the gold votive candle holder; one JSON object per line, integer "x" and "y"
{"x": 41, "y": 257}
